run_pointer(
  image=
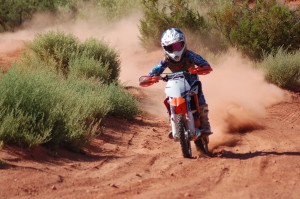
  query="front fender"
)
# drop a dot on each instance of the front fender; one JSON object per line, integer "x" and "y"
{"x": 179, "y": 105}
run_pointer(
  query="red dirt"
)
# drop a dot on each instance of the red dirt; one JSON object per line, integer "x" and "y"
{"x": 8, "y": 57}
{"x": 136, "y": 160}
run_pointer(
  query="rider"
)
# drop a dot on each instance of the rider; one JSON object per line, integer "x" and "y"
{"x": 179, "y": 58}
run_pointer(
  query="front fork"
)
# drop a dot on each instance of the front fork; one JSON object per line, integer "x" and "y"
{"x": 189, "y": 122}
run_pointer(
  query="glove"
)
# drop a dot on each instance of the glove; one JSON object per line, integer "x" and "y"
{"x": 200, "y": 70}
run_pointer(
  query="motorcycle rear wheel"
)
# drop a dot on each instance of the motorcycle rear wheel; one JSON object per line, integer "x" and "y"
{"x": 184, "y": 140}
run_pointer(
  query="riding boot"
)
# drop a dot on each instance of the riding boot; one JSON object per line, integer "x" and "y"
{"x": 205, "y": 125}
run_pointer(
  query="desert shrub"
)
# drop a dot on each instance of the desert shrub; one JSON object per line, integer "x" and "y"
{"x": 263, "y": 28}
{"x": 117, "y": 9}
{"x": 66, "y": 53}
{"x": 83, "y": 66}
{"x": 14, "y": 12}
{"x": 112, "y": 98}
{"x": 38, "y": 105}
{"x": 106, "y": 56}
{"x": 282, "y": 68}
{"x": 123, "y": 104}
{"x": 55, "y": 47}
{"x": 175, "y": 13}
{"x": 39, "y": 108}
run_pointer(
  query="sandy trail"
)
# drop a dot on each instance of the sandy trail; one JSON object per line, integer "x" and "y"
{"x": 137, "y": 160}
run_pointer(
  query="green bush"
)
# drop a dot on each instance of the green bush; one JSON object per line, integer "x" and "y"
{"x": 39, "y": 105}
{"x": 83, "y": 66}
{"x": 112, "y": 98}
{"x": 266, "y": 26}
{"x": 107, "y": 57}
{"x": 282, "y": 68}
{"x": 159, "y": 17}
{"x": 64, "y": 52}
{"x": 117, "y": 9}
{"x": 14, "y": 12}
{"x": 38, "y": 108}
{"x": 55, "y": 47}
{"x": 123, "y": 104}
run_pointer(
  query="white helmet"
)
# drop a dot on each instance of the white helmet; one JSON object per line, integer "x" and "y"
{"x": 173, "y": 43}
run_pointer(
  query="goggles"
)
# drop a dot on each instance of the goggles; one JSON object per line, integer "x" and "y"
{"x": 174, "y": 47}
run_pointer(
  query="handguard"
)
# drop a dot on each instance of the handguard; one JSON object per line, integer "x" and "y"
{"x": 200, "y": 70}
{"x": 146, "y": 81}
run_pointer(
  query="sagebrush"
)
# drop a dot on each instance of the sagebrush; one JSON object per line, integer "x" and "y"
{"x": 68, "y": 55}
{"x": 282, "y": 68}
{"x": 58, "y": 94}
{"x": 260, "y": 29}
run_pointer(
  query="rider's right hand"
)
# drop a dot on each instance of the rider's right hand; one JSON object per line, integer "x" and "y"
{"x": 156, "y": 78}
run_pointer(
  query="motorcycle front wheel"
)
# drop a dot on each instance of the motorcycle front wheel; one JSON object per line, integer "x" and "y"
{"x": 184, "y": 139}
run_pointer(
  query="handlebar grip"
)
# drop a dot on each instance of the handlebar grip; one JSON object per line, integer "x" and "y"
{"x": 200, "y": 71}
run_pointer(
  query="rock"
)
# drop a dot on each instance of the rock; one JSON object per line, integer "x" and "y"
{"x": 113, "y": 185}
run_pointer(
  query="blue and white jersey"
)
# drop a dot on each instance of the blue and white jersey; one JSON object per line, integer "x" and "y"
{"x": 189, "y": 59}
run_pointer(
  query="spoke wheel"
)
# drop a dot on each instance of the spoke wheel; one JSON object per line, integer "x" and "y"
{"x": 184, "y": 140}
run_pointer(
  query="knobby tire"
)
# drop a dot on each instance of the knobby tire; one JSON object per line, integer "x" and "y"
{"x": 184, "y": 141}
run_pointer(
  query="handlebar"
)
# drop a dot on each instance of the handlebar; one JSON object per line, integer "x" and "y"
{"x": 174, "y": 75}
{"x": 146, "y": 81}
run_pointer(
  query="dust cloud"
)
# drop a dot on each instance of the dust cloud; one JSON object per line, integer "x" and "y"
{"x": 238, "y": 97}
{"x": 236, "y": 93}
{"x": 122, "y": 36}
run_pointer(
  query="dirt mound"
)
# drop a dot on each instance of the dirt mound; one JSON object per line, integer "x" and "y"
{"x": 136, "y": 160}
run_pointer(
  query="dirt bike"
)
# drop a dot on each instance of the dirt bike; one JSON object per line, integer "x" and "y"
{"x": 183, "y": 108}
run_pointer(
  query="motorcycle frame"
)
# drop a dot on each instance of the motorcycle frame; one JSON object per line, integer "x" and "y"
{"x": 178, "y": 101}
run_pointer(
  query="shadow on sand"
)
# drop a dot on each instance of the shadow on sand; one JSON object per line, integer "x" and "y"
{"x": 245, "y": 156}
